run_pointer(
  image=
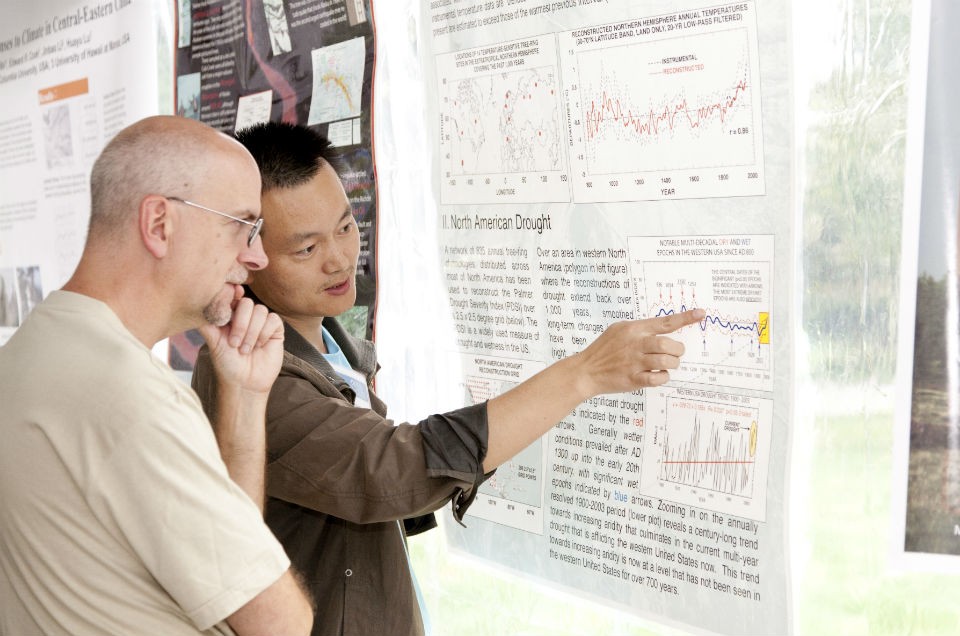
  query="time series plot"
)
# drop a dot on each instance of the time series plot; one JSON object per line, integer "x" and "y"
{"x": 708, "y": 449}
{"x": 665, "y": 106}
{"x": 729, "y": 277}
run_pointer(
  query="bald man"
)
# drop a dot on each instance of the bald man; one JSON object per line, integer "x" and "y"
{"x": 122, "y": 513}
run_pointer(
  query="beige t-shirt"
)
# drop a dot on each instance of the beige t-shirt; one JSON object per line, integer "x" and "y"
{"x": 117, "y": 515}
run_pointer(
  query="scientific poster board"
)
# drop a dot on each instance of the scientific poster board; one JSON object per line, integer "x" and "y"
{"x": 926, "y": 485}
{"x": 305, "y": 62}
{"x": 595, "y": 162}
{"x": 72, "y": 75}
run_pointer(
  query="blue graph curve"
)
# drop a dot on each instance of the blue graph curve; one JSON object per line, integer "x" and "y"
{"x": 712, "y": 320}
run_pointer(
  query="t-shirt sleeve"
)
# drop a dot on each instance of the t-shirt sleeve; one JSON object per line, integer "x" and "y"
{"x": 165, "y": 492}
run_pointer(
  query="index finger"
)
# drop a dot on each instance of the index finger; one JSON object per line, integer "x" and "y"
{"x": 272, "y": 329}
{"x": 672, "y": 322}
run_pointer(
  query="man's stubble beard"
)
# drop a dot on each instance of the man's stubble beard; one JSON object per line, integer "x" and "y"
{"x": 217, "y": 315}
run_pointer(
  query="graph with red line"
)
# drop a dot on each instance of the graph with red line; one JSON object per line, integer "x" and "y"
{"x": 710, "y": 450}
{"x": 608, "y": 111}
{"x": 702, "y": 118}
{"x": 664, "y": 112}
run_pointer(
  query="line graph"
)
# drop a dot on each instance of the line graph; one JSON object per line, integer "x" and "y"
{"x": 729, "y": 277}
{"x": 608, "y": 110}
{"x": 665, "y": 107}
{"x": 686, "y": 117}
{"x": 720, "y": 459}
{"x": 718, "y": 328}
{"x": 709, "y": 449}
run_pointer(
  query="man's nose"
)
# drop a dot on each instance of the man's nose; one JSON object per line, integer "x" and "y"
{"x": 252, "y": 256}
{"x": 337, "y": 260}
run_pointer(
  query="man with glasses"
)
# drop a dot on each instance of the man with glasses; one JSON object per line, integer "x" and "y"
{"x": 341, "y": 477}
{"x": 122, "y": 513}
{"x": 254, "y": 225}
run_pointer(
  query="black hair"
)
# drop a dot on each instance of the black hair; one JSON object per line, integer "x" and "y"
{"x": 288, "y": 155}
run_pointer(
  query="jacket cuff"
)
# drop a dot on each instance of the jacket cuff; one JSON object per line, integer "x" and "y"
{"x": 455, "y": 445}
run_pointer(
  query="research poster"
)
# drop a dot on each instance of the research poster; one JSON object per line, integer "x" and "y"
{"x": 302, "y": 61}
{"x": 72, "y": 74}
{"x": 596, "y": 162}
{"x": 927, "y": 483}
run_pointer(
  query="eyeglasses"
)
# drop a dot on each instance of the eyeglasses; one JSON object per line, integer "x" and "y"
{"x": 255, "y": 225}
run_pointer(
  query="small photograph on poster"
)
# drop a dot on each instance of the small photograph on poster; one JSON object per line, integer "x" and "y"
{"x": 340, "y": 133}
{"x": 277, "y": 26}
{"x": 9, "y": 307}
{"x": 58, "y": 136}
{"x": 184, "y": 23}
{"x": 20, "y": 292}
{"x": 337, "y": 81}
{"x": 188, "y": 96}
{"x": 356, "y": 12}
{"x": 358, "y": 319}
{"x": 931, "y": 521}
{"x": 29, "y": 289}
{"x": 253, "y": 109}
{"x": 933, "y": 484}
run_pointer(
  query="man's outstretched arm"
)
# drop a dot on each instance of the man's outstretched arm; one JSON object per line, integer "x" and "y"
{"x": 627, "y": 356}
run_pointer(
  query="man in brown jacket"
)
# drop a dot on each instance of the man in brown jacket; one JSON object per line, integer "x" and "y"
{"x": 340, "y": 476}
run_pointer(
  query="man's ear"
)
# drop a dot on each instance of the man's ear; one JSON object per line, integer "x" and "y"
{"x": 156, "y": 224}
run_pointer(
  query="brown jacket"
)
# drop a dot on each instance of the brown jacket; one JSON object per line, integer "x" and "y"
{"x": 341, "y": 478}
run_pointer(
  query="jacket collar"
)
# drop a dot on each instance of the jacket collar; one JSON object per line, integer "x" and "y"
{"x": 361, "y": 354}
